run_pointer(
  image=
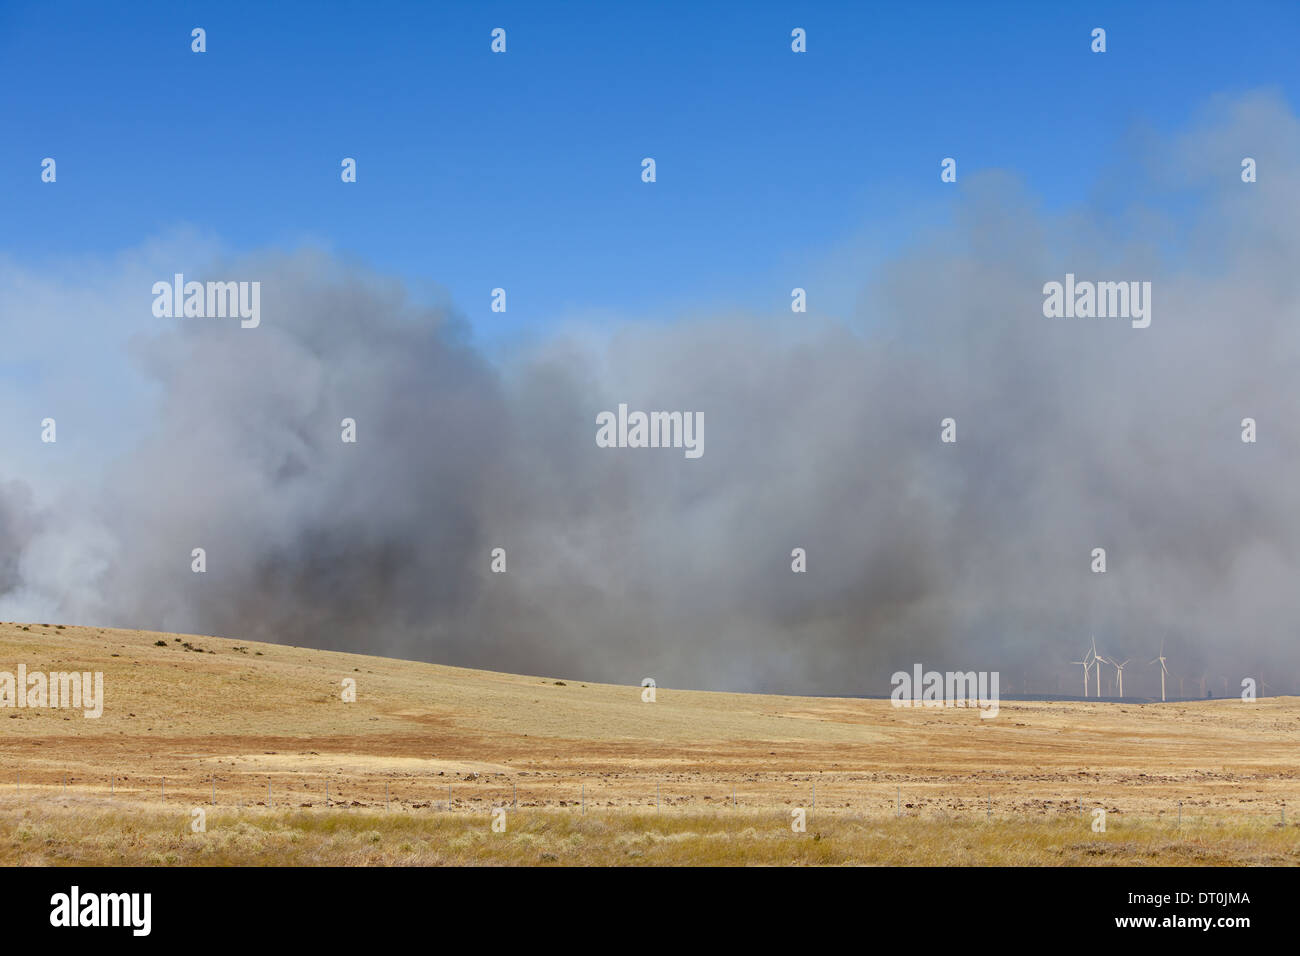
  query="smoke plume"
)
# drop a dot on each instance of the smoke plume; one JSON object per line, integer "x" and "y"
{"x": 821, "y": 432}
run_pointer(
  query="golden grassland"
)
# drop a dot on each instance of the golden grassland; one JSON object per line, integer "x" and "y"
{"x": 59, "y": 833}
{"x": 286, "y": 771}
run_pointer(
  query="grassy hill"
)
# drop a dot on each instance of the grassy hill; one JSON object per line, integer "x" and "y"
{"x": 188, "y": 720}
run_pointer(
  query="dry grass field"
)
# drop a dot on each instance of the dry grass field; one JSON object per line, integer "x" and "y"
{"x": 287, "y": 772}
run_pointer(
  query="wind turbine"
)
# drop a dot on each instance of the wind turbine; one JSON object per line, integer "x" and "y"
{"x": 1163, "y": 670}
{"x": 1095, "y": 658}
{"x": 1101, "y": 659}
{"x": 1119, "y": 671}
{"x": 1086, "y": 665}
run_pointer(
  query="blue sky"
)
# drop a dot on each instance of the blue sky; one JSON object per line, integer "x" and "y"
{"x": 775, "y": 170}
{"x": 523, "y": 170}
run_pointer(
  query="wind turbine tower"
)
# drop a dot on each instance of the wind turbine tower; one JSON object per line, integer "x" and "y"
{"x": 1086, "y": 665}
{"x": 1163, "y": 670}
{"x": 1119, "y": 672}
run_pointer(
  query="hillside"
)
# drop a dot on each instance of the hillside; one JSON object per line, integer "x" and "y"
{"x": 208, "y": 713}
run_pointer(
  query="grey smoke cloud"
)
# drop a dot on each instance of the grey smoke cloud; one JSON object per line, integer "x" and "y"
{"x": 822, "y": 433}
{"x": 18, "y": 525}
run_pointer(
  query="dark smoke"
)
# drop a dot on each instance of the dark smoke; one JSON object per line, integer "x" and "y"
{"x": 819, "y": 433}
